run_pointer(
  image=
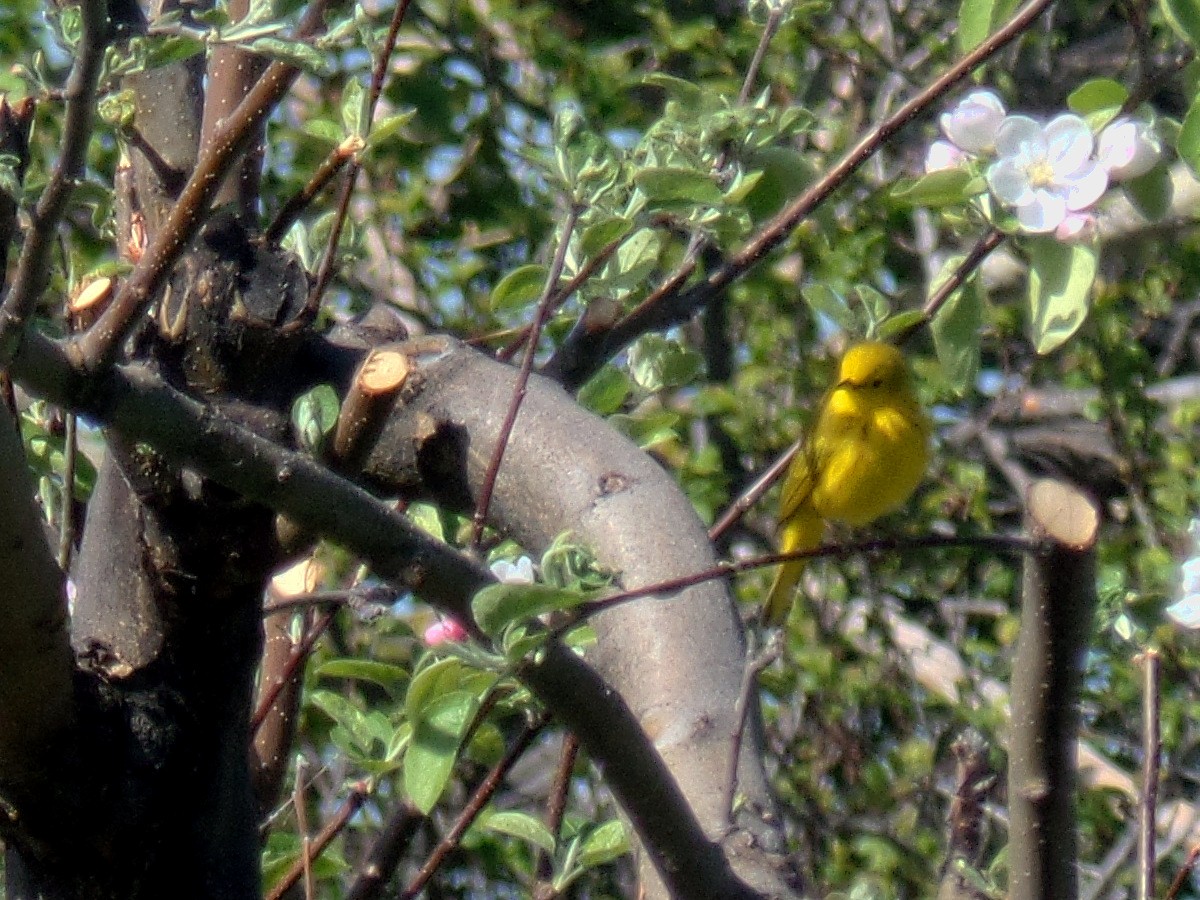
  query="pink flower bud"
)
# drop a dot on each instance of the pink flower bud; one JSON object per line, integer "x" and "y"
{"x": 445, "y": 630}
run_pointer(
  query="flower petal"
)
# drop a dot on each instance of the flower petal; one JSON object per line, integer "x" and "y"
{"x": 1128, "y": 148}
{"x": 1044, "y": 213}
{"x": 1085, "y": 187}
{"x": 971, "y": 125}
{"x": 1009, "y": 181}
{"x": 1021, "y": 135}
{"x": 1069, "y": 143}
{"x": 943, "y": 155}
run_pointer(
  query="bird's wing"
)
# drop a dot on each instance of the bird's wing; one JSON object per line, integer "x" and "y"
{"x": 798, "y": 483}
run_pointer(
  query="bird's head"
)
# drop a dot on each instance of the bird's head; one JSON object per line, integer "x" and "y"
{"x": 873, "y": 366}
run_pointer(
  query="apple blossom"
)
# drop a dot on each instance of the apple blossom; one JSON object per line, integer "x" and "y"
{"x": 444, "y": 630}
{"x": 972, "y": 124}
{"x": 520, "y": 572}
{"x": 1045, "y": 172}
{"x": 1128, "y": 148}
{"x": 1186, "y": 611}
{"x": 944, "y": 155}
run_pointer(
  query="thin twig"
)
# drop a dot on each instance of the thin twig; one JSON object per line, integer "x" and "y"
{"x": 299, "y": 655}
{"x": 745, "y": 702}
{"x": 378, "y": 76}
{"x": 522, "y": 383}
{"x": 330, "y": 166}
{"x": 774, "y": 19}
{"x": 668, "y": 303}
{"x": 1151, "y": 750}
{"x": 752, "y": 494}
{"x": 302, "y": 828}
{"x": 563, "y": 294}
{"x": 997, "y": 543}
{"x": 66, "y": 525}
{"x": 33, "y": 269}
{"x": 99, "y": 346}
{"x": 972, "y": 261}
{"x": 332, "y": 829}
{"x": 556, "y": 802}
{"x": 1185, "y": 872}
{"x": 473, "y": 808}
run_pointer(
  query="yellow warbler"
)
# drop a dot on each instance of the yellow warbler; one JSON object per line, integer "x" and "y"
{"x": 864, "y": 458}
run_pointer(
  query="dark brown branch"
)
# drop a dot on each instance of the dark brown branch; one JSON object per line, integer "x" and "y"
{"x": 138, "y": 403}
{"x": 97, "y": 349}
{"x": 330, "y": 166}
{"x": 556, "y": 804}
{"x": 670, "y": 304}
{"x": 1057, "y": 605}
{"x": 33, "y": 267}
{"x": 385, "y": 853}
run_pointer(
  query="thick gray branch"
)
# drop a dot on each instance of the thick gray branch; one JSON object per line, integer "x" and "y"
{"x": 36, "y": 699}
{"x": 675, "y": 661}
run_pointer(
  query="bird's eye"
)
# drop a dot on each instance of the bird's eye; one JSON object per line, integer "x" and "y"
{"x": 877, "y": 382}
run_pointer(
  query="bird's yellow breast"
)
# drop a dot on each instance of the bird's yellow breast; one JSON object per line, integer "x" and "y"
{"x": 871, "y": 457}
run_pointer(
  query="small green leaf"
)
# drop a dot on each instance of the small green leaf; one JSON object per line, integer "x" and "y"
{"x": 979, "y": 18}
{"x": 385, "y": 675}
{"x": 1151, "y": 193}
{"x": 324, "y": 130}
{"x": 1060, "y": 282}
{"x": 521, "y": 825}
{"x": 635, "y": 260}
{"x": 1184, "y": 17}
{"x": 499, "y": 605}
{"x": 521, "y": 287}
{"x": 943, "y": 188}
{"x": 668, "y": 184}
{"x": 437, "y": 735}
{"x": 297, "y": 53}
{"x": 827, "y": 302}
{"x": 439, "y": 677}
{"x": 956, "y": 328}
{"x": 1097, "y": 95}
{"x": 314, "y": 414}
{"x": 604, "y": 844}
{"x": 428, "y": 518}
{"x": 785, "y": 173}
{"x": 600, "y": 234}
{"x": 606, "y": 391}
{"x": 899, "y": 323}
{"x": 388, "y": 126}
{"x": 657, "y": 363}
{"x": 681, "y": 90}
{"x": 1188, "y": 144}
{"x": 354, "y": 108}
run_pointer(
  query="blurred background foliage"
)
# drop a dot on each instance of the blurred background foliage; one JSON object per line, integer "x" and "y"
{"x": 513, "y": 112}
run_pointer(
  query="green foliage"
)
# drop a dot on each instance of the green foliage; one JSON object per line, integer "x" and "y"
{"x": 496, "y": 119}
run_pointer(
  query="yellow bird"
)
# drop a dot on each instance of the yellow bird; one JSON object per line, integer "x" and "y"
{"x": 865, "y": 457}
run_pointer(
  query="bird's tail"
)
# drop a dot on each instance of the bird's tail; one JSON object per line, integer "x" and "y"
{"x": 802, "y": 531}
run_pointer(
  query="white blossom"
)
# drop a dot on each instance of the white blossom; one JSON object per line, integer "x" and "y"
{"x": 1045, "y": 172}
{"x": 944, "y": 155}
{"x": 1076, "y": 227}
{"x": 520, "y": 572}
{"x": 972, "y": 124}
{"x": 1128, "y": 148}
{"x": 1186, "y": 611}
